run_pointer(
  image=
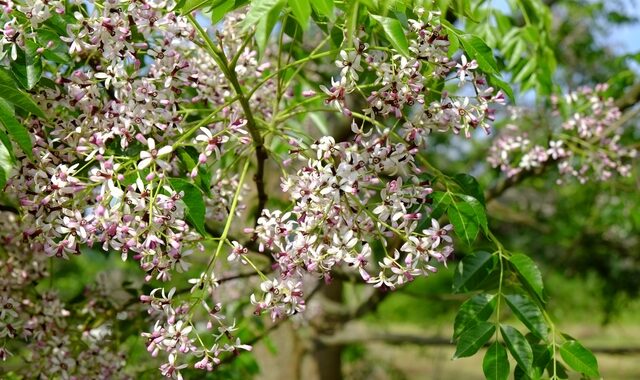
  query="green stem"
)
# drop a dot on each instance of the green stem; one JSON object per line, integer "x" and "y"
{"x": 232, "y": 211}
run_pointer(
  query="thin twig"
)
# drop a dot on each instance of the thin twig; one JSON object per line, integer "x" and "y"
{"x": 271, "y": 328}
{"x": 9, "y": 208}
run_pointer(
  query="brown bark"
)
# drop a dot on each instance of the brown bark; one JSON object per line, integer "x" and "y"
{"x": 328, "y": 358}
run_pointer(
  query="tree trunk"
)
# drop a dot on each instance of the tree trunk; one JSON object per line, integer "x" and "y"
{"x": 328, "y": 359}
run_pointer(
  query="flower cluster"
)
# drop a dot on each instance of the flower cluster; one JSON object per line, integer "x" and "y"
{"x": 42, "y": 321}
{"x": 343, "y": 206}
{"x": 402, "y": 84}
{"x": 585, "y": 145}
{"x": 81, "y": 189}
{"x": 174, "y": 332}
{"x": 109, "y": 165}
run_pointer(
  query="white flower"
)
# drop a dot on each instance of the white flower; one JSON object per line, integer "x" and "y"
{"x": 153, "y": 155}
{"x": 350, "y": 64}
{"x": 464, "y": 68}
{"x": 237, "y": 252}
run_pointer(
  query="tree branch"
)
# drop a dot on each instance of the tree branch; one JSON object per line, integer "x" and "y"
{"x": 371, "y": 304}
{"x": 271, "y": 328}
{"x": 258, "y": 142}
{"x": 499, "y": 189}
{"x": 9, "y": 208}
{"x": 354, "y": 334}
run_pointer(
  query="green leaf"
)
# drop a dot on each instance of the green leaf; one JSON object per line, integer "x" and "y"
{"x": 533, "y": 13}
{"x": 258, "y": 10}
{"x": 441, "y": 201}
{"x": 528, "y": 313}
{"x": 526, "y": 71}
{"x": 324, "y": 8}
{"x": 7, "y": 143}
{"x": 60, "y": 22}
{"x": 10, "y": 92}
{"x": 520, "y": 374}
{"x": 474, "y": 310}
{"x": 579, "y": 358}
{"x": 504, "y": 86}
{"x": 516, "y": 55}
{"x": 218, "y": 11}
{"x": 27, "y": 68}
{"x": 472, "y": 271}
{"x": 474, "y": 338}
{"x": 545, "y": 71}
{"x": 503, "y": 21}
{"x": 477, "y": 49}
{"x": 337, "y": 36}
{"x": 496, "y": 363}
{"x": 17, "y": 131}
{"x": 33, "y": 64}
{"x": 192, "y": 198}
{"x": 6, "y": 160}
{"x": 480, "y": 214}
{"x": 541, "y": 358}
{"x": 191, "y": 5}
{"x": 395, "y": 33}
{"x": 470, "y": 186}
{"x": 454, "y": 45}
{"x": 461, "y": 215}
{"x": 434, "y": 89}
{"x": 463, "y": 8}
{"x": 266, "y": 25}
{"x": 557, "y": 369}
{"x": 189, "y": 158}
{"x": 301, "y": 11}
{"x": 528, "y": 273}
{"x": 56, "y": 50}
{"x": 519, "y": 347}
{"x": 293, "y": 30}
{"x": 467, "y": 217}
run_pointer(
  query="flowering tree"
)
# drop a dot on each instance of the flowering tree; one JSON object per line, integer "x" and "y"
{"x": 245, "y": 155}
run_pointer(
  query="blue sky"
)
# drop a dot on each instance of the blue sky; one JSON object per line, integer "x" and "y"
{"x": 626, "y": 39}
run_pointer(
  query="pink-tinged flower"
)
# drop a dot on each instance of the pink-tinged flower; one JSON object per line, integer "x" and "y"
{"x": 464, "y": 68}
{"x": 214, "y": 142}
{"x": 8, "y": 309}
{"x": 360, "y": 261}
{"x": 336, "y": 94}
{"x": 172, "y": 370}
{"x": 556, "y": 150}
{"x": 76, "y": 224}
{"x": 237, "y": 252}
{"x": 206, "y": 364}
{"x": 438, "y": 234}
{"x": 75, "y": 38}
{"x": 382, "y": 281}
{"x": 237, "y": 345}
{"x": 4, "y": 354}
{"x": 62, "y": 364}
{"x": 10, "y": 37}
{"x": 152, "y": 155}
